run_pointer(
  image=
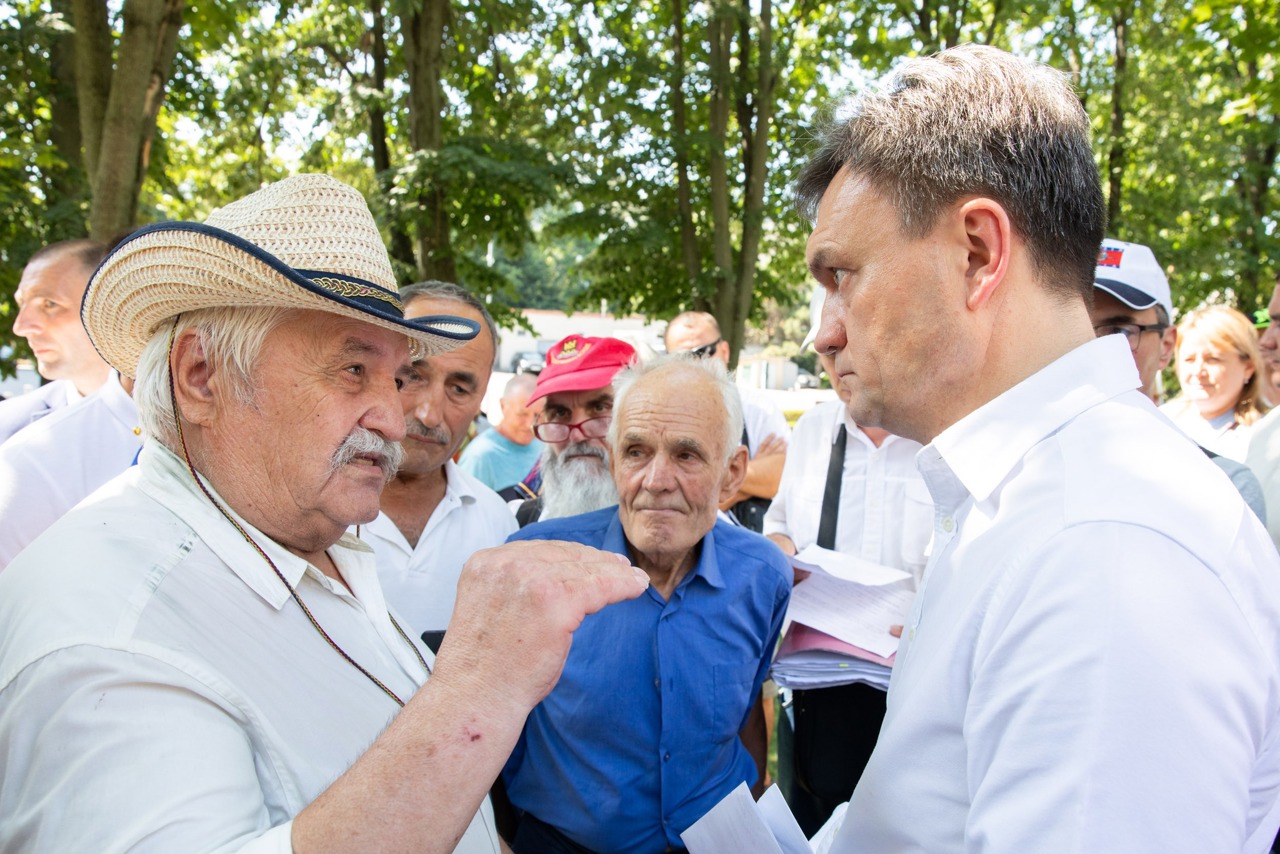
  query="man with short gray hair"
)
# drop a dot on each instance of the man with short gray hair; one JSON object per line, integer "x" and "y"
{"x": 765, "y": 432}
{"x": 1045, "y": 696}
{"x": 657, "y": 714}
{"x": 434, "y": 515}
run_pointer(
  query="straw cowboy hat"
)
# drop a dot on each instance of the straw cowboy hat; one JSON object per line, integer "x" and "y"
{"x": 306, "y": 242}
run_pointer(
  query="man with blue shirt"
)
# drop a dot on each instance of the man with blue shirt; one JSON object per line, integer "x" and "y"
{"x": 657, "y": 714}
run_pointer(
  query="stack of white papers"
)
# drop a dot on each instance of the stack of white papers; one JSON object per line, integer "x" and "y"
{"x": 809, "y": 658}
{"x": 839, "y": 621}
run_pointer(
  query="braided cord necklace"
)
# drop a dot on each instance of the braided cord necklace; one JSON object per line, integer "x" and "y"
{"x": 186, "y": 458}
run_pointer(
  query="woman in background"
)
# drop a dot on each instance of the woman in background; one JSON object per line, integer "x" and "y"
{"x": 1218, "y": 360}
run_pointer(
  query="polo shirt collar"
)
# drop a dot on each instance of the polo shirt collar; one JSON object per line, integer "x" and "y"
{"x": 457, "y": 486}
{"x": 983, "y": 448}
{"x": 165, "y": 478}
{"x": 707, "y": 568}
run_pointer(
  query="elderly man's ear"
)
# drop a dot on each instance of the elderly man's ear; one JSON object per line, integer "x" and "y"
{"x": 734, "y": 474}
{"x": 193, "y": 379}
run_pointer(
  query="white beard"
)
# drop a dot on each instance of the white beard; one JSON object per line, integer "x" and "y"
{"x": 577, "y": 486}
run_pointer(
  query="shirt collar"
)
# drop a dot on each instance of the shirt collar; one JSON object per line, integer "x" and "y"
{"x": 119, "y": 402}
{"x": 456, "y": 485}
{"x": 166, "y": 479}
{"x": 707, "y": 568}
{"x": 982, "y": 448}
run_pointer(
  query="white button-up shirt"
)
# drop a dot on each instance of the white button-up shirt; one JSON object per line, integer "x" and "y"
{"x": 886, "y": 514}
{"x": 1092, "y": 663}
{"x": 49, "y": 467}
{"x": 421, "y": 582}
{"x": 160, "y": 689}
{"x": 760, "y": 417}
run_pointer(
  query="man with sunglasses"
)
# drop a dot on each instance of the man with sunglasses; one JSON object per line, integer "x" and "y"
{"x": 1131, "y": 298}
{"x": 766, "y": 433}
{"x": 576, "y": 388}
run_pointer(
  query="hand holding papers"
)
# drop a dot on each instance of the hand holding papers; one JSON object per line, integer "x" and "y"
{"x": 840, "y": 618}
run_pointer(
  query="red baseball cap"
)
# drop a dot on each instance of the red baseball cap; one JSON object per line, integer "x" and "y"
{"x": 578, "y": 363}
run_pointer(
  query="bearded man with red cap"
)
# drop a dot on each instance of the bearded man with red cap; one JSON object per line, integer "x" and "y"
{"x": 577, "y": 384}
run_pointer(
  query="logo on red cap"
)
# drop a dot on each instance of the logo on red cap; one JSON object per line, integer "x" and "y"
{"x": 1110, "y": 257}
{"x": 570, "y": 349}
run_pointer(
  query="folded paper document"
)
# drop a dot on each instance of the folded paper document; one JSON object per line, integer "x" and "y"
{"x": 740, "y": 824}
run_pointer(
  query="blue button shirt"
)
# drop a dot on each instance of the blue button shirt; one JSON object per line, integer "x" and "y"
{"x": 639, "y": 738}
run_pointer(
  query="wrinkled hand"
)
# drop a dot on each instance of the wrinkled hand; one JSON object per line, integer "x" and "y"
{"x": 516, "y": 611}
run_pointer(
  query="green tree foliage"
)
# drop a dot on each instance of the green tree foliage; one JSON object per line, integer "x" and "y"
{"x": 563, "y": 154}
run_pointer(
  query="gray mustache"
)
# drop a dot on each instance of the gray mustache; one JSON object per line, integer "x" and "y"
{"x": 435, "y": 434}
{"x": 364, "y": 441}
{"x": 582, "y": 449}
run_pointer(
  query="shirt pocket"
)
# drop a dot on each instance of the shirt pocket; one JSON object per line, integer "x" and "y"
{"x": 917, "y": 527}
{"x": 733, "y": 686}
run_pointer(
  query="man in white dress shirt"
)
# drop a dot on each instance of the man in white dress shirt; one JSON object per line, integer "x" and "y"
{"x": 198, "y": 658}
{"x": 1092, "y": 662}
{"x": 48, "y": 298}
{"x": 53, "y": 464}
{"x": 434, "y": 515}
{"x": 766, "y": 433}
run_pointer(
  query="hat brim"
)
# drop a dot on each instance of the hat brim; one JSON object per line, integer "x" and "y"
{"x": 172, "y": 268}
{"x": 1127, "y": 294}
{"x": 591, "y": 378}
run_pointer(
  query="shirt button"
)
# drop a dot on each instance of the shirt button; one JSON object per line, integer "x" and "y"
{"x": 666, "y": 757}
{"x": 948, "y": 524}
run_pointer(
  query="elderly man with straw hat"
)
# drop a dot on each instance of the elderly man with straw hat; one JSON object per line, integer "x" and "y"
{"x": 197, "y": 657}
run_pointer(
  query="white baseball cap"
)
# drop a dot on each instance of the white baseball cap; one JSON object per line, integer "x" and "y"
{"x": 1129, "y": 272}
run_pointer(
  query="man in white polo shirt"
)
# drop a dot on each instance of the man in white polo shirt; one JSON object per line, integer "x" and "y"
{"x": 434, "y": 515}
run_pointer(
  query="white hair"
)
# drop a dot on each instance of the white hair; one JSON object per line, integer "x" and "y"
{"x": 714, "y": 370}
{"x": 231, "y": 338}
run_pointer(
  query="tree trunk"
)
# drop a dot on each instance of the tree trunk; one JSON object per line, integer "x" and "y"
{"x": 720, "y": 31}
{"x": 93, "y": 49}
{"x": 118, "y": 108}
{"x": 66, "y": 187}
{"x": 401, "y": 245}
{"x": 423, "y": 29}
{"x": 680, "y": 142}
{"x": 1116, "y": 154}
{"x": 756, "y": 146}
